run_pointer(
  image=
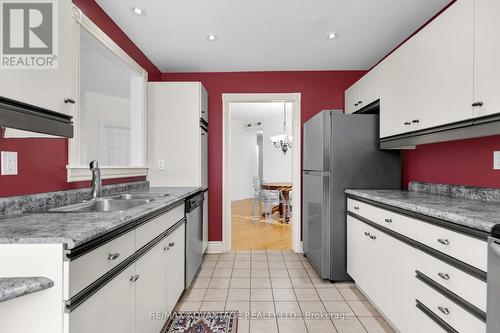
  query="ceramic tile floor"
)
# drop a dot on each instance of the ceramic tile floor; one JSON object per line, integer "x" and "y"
{"x": 279, "y": 291}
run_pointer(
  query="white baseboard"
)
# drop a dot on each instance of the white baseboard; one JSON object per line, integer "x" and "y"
{"x": 215, "y": 247}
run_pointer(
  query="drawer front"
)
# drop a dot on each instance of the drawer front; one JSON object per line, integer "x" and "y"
{"x": 150, "y": 230}
{"x": 452, "y": 313}
{"x": 110, "y": 309}
{"x": 86, "y": 269}
{"x": 464, "y": 285}
{"x": 465, "y": 248}
{"x": 426, "y": 324}
{"x": 399, "y": 223}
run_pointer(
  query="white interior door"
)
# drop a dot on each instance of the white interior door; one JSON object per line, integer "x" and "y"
{"x": 114, "y": 145}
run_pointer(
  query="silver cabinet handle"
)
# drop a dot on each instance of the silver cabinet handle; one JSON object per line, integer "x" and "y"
{"x": 407, "y": 123}
{"x": 171, "y": 244}
{"x": 443, "y": 241}
{"x": 367, "y": 234}
{"x": 388, "y": 220}
{"x": 113, "y": 256}
{"x": 444, "y": 276}
{"x": 356, "y": 208}
{"x": 373, "y": 237}
{"x": 134, "y": 278}
{"x": 444, "y": 310}
{"x": 166, "y": 248}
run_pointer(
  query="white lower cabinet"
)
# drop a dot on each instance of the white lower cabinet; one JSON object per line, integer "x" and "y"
{"x": 175, "y": 261}
{"x": 151, "y": 290}
{"x": 110, "y": 309}
{"x": 140, "y": 298}
{"x": 383, "y": 268}
{"x": 394, "y": 261}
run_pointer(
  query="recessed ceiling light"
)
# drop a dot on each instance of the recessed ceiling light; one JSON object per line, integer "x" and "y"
{"x": 212, "y": 37}
{"x": 332, "y": 35}
{"x": 138, "y": 11}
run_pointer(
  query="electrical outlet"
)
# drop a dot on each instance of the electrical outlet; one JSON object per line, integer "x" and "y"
{"x": 496, "y": 160}
{"x": 161, "y": 164}
{"x": 9, "y": 163}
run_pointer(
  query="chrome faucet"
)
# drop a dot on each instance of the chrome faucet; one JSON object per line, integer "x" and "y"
{"x": 96, "y": 179}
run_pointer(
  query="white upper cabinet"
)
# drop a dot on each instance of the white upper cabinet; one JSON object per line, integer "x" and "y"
{"x": 363, "y": 92}
{"x": 443, "y": 78}
{"x": 486, "y": 57}
{"x": 48, "y": 88}
{"x": 352, "y": 98}
{"x": 395, "y": 91}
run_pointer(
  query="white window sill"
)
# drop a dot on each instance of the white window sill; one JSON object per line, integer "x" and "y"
{"x": 78, "y": 173}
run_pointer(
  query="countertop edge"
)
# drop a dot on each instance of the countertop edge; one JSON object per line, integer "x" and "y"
{"x": 426, "y": 212}
{"x": 14, "y": 287}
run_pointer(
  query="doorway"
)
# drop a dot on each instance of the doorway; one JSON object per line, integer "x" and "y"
{"x": 261, "y": 140}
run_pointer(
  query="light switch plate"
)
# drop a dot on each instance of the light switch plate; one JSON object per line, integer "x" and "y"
{"x": 9, "y": 163}
{"x": 496, "y": 160}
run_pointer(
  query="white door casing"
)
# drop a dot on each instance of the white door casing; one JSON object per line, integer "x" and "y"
{"x": 295, "y": 99}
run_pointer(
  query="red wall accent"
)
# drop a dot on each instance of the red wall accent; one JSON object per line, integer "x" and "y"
{"x": 464, "y": 162}
{"x": 320, "y": 90}
{"x": 42, "y": 162}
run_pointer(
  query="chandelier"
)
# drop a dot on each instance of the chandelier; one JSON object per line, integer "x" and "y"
{"x": 283, "y": 141}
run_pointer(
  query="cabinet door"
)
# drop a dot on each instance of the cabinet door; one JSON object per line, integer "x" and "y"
{"x": 359, "y": 258}
{"x": 47, "y": 88}
{"x": 110, "y": 309}
{"x": 175, "y": 266}
{"x": 351, "y": 99}
{"x": 486, "y": 57}
{"x": 369, "y": 87}
{"x": 394, "y": 273}
{"x": 395, "y": 84}
{"x": 151, "y": 290}
{"x": 443, "y": 89}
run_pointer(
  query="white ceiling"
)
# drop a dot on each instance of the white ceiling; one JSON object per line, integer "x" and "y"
{"x": 261, "y": 35}
{"x": 257, "y": 111}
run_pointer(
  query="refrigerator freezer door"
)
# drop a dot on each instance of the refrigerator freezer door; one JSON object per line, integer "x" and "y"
{"x": 316, "y": 220}
{"x": 317, "y": 142}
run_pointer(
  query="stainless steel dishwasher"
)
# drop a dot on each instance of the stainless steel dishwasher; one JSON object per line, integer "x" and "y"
{"x": 194, "y": 236}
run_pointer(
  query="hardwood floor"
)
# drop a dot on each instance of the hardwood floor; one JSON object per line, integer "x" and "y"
{"x": 247, "y": 235}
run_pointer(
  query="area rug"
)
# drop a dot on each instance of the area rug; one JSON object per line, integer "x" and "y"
{"x": 202, "y": 322}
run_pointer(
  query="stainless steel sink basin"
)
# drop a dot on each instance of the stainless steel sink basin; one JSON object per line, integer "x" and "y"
{"x": 134, "y": 196}
{"x": 101, "y": 205}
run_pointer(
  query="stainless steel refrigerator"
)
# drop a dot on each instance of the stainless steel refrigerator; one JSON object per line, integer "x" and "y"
{"x": 340, "y": 152}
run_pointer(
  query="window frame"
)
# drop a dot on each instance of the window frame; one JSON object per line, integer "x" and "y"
{"x": 78, "y": 170}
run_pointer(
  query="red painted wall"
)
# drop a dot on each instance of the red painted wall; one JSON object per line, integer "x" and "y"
{"x": 464, "y": 162}
{"x": 320, "y": 90}
{"x": 42, "y": 162}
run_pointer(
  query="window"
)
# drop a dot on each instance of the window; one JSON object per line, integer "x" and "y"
{"x": 111, "y": 118}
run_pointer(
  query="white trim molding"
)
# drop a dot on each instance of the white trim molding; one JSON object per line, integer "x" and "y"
{"x": 78, "y": 173}
{"x": 78, "y": 170}
{"x": 295, "y": 99}
{"x": 215, "y": 247}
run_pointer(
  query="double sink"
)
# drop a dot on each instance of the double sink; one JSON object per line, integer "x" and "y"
{"x": 116, "y": 203}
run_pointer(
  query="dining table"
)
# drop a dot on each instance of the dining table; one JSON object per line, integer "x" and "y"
{"x": 283, "y": 187}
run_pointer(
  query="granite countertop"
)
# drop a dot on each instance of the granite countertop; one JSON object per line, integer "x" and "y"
{"x": 75, "y": 229}
{"x": 13, "y": 287}
{"x": 466, "y": 211}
